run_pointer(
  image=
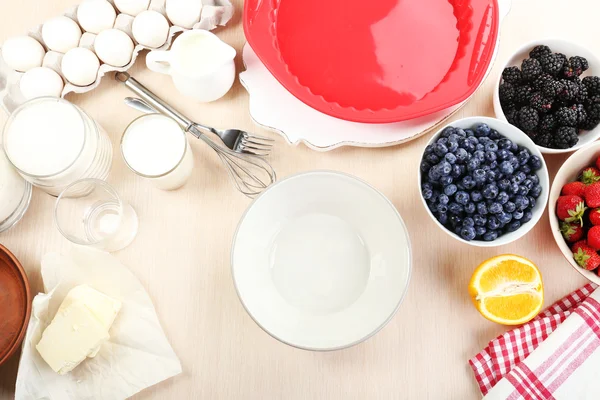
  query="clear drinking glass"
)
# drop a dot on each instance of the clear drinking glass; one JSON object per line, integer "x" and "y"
{"x": 90, "y": 212}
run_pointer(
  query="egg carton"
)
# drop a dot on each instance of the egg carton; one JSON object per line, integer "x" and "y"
{"x": 214, "y": 13}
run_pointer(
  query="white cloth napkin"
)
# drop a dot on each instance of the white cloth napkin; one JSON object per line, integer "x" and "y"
{"x": 136, "y": 356}
{"x": 565, "y": 366}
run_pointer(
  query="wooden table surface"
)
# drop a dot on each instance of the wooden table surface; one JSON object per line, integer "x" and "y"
{"x": 181, "y": 253}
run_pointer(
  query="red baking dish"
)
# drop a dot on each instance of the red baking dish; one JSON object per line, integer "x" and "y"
{"x": 375, "y": 61}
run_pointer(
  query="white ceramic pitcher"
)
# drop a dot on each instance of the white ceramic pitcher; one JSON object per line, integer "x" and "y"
{"x": 201, "y": 65}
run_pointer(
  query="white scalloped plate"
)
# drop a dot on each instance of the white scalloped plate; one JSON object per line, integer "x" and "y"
{"x": 274, "y": 108}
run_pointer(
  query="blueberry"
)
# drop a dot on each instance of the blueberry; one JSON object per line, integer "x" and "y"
{"x": 426, "y": 185}
{"x": 480, "y": 155}
{"x": 493, "y": 223}
{"x": 479, "y": 175}
{"x": 442, "y": 208}
{"x": 479, "y": 220}
{"x": 525, "y": 169}
{"x": 462, "y": 155}
{"x": 461, "y": 197}
{"x": 505, "y": 217}
{"x": 448, "y": 131}
{"x": 455, "y": 220}
{"x": 490, "y": 156}
{"x": 440, "y": 149}
{"x": 434, "y": 174}
{"x": 432, "y": 159}
{"x": 502, "y": 198}
{"x": 490, "y": 191}
{"x": 469, "y": 132}
{"x": 482, "y": 208}
{"x": 473, "y": 164}
{"x": 428, "y": 149}
{"x": 468, "y": 221}
{"x": 519, "y": 177}
{"x": 534, "y": 178}
{"x": 482, "y": 130}
{"x": 456, "y": 171}
{"x": 510, "y": 206}
{"x": 476, "y": 196}
{"x": 491, "y": 147}
{"x": 485, "y": 167}
{"x": 496, "y": 208}
{"x": 432, "y": 206}
{"x": 453, "y": 137}
{"x": 480, "y": 230}
{"x": 443, "y": 199}
{"x": 490, "y": 236}
{"x": 514, "y": 188}
{"x": 526, "y": 217}
{"x": 461, "y": 132}
{"x": 527, "y": 183}
{"x": 494, "y": 134}
{"x": 427, "y": 193}
{"x": 470, "y": 208}
{"x": 479, "y": 147}
{"x": 505, "y": 143}
{"x": 523, "y": 156}
{"x": 535, "y": 163}
{"x": 521, "y": 202}
{"x": 536, "y": 191}
{"x": 455, "y": 208}
{"x": 442, "y": 218}
{"x": 445, "y": 168}
{"x": 503, "y": 154}
{"x": 506, "y": 168}
{"x": 532, "y": 201}
{"x": 446, "y": 180}
{"x": 514, "y": 148}
{"x": 441, "y": 140}
{"x": 468, "y": 233}
{"x": 504, "y": 184}
{"x": 468, "y": 182}
{"x": 523, "y": 191}
{"x": 452, "y": 145}
{"x": 470, "y": 147}
{"x": 425, "y": 166}
{"x": 493, "y": 164}
{"x": 513, "y": 226}
{"x": 460, "y": 186}
{"x": 449, "y": 190}
{"x": 484, "y": 140}
{"x": 514, "y": 161}
{"x": 473, "y": 140}
{"x": 450, "y": 158}
{"x": 517, "y": 215}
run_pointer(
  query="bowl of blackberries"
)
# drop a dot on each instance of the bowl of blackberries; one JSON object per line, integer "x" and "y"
{"x": 550, "y": 89}
{"x": 483, "y": 181}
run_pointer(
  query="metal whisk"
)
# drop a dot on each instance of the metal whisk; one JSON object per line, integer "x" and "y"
{"x": 251, "y": 174}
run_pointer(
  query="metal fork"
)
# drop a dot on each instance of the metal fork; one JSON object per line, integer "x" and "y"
{"x": 235, "y": 139}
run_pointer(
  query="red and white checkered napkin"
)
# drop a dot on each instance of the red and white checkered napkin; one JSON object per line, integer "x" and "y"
{"x": 529, "y": 363}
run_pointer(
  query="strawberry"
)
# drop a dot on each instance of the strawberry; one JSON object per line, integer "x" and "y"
{"x": 570, "y": 209}
{"x": 571, "y": 232}
{"x": 589, "y": 175}
{"x": 575, "y": 188}
{"x": 593, "y": 237}
{"x": 585, "y": 256}
{"x": 592, "y": 195}
{"x": 595, "y": 216}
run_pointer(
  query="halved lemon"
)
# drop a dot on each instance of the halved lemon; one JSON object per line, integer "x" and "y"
{"x": 507, "y": 289}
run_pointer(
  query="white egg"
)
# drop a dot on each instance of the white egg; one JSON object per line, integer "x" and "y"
{"x": 114, "y": 47}
{"x": 41, "y": 82}
{"x": 150, "y": 28}
{"x": 23, "y": 53}
{"x": 184, "y": 13}
{"x": 132, "y": 7}
{"x": 96, "y": 15}
{"x": 61, "y": 34}
{"x": 80, "y": 66}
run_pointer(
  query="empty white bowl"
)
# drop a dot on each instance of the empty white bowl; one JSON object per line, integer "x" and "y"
{"x": 568, "y": 172}
{"x": 321, "y": 260}
{"x": 517, "y": 136}
{"x": 569, "y": 49}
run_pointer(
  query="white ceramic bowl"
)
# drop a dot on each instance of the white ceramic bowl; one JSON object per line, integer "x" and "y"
{"x": 568, "y": 172}
{"x": 513, "y": 133}
{"x": 569, "y": 49}
{"x": 321, "y": 260}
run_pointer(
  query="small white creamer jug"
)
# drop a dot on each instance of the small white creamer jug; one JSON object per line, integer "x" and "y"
{"x": 201, "y": 65}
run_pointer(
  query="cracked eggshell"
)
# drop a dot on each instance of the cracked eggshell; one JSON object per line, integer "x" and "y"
{"x": 114, "y": 47}
{"x": 96, "y": 15}
{"x": 23, "y": 53}
{"x": 41, "y": 82}
{"x": 80, "y": 66}
{"x": 61, "y": 34}
{"x": 150, "y": 28}
{"x": 184, "y": 13}
{"x": 132, "y": 7}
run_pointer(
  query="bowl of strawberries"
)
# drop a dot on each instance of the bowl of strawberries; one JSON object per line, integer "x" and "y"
{"x": 574, "y": 210}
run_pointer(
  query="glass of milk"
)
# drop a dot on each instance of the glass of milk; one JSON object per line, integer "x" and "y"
{"x": 15, "y": 194}
{"x": 155, "y": 147}
{"x": 90, "y": 212}
{"x": 53, "y": 143}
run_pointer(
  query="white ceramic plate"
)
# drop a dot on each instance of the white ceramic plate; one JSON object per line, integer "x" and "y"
{"x": 273, "y": 107}
{"x": 321, "y": 260}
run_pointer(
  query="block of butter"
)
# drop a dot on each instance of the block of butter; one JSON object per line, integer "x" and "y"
{"x": 79, "y": 328}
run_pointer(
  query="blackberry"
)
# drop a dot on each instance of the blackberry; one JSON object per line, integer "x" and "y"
{"x": 552, "y": 63}
{"x": 581, "y": 113}
{"x": 543, "y": 139}
{"x": 566, "y": 117}
{"x": 540, "y": 103}
{"x": 565, "y": 138}
{"x": 507, "y": 94}
{"x": 528, "y": 119}
{"x": 593, "y": 117}
{"x": 522, "y": 95}
{"x": 552, "y": 88}
{"x": 512, "y": 75}
{"x": 592, "y": 83}
{"x": 575, "y": 67}
{"x": 511, "y": 116}
{"x": 531, "y": 69}
{"x": 547, "y": 124}
{"x": 582, "y": 96}
{"x": 592, "y": 100}
{"x": 540, "y": 51}
{"x": 569, "y": 92}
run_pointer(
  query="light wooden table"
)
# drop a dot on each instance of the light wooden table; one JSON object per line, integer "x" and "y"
{"x": 181, "y": 253}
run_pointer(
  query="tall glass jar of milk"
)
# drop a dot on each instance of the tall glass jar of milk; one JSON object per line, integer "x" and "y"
{"x": 15, "y": 194}
{"x": 53, "y": 143}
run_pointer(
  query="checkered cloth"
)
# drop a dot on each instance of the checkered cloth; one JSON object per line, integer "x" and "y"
{"x": 503, "y": 362}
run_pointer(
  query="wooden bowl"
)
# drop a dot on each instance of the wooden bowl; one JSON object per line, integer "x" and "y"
{"x": 15, "y": 298}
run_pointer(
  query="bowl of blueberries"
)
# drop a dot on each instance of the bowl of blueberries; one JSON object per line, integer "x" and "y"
{"x": 483, "y": 181}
